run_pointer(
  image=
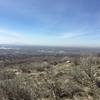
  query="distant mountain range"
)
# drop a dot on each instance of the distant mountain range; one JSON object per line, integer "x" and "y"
{"x": 46, "y": 49}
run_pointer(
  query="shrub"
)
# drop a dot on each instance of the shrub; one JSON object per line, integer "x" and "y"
{"x": 18, "y": 89}
{"x": 6, "y": 74}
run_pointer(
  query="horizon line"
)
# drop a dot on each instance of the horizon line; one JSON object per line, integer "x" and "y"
{"x": 65, "y": 46}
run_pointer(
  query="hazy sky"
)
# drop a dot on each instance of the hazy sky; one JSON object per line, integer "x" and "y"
{"x": 50, "y": 22}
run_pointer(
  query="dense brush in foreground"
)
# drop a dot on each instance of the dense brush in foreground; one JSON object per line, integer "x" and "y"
{"x": 65, "y": 80}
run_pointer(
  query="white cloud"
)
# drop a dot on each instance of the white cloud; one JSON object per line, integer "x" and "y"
{"x": 71, "y": 35}
{"x": 13, "y": 37}
{"x": 8, "y": 40}
{"x": 9, "y": 32}
{"x": 10, "y": 37}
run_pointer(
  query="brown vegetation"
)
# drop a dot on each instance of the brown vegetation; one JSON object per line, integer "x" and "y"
{"x": 68, "y": 79}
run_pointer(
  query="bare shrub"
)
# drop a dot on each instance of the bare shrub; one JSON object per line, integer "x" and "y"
{"x": 18, "y": 89}
{"x": 84, "y": 74}
{"x": 6, "y": 74}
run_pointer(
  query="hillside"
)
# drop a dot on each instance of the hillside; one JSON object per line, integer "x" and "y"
{"x": 52, "y": 78}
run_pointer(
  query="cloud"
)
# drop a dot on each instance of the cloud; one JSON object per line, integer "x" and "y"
{"x": 72, "y": 35}
{"x": 8, "y": 40}
{"x": 10, "y": 37}
{"x": 9, "y": 33}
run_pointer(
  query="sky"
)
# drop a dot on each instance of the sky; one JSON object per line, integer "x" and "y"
{"x": 50, "y": 22}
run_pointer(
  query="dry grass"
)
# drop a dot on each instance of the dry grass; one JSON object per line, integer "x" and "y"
{"x": 63, "y": 81}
